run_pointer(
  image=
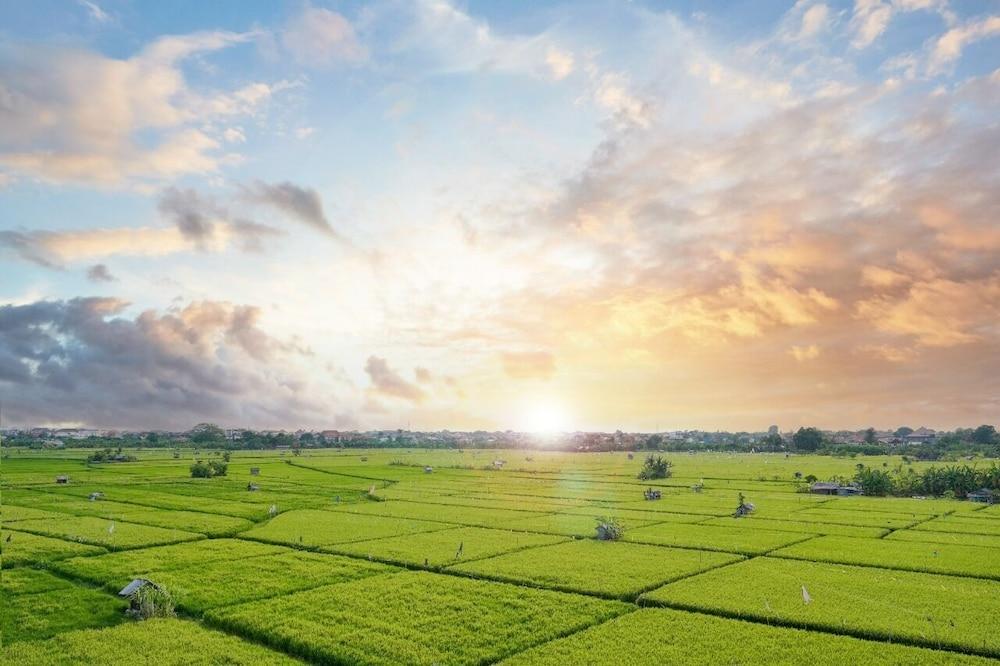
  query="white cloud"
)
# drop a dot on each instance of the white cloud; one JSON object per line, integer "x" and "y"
{"x": 94, "y": 11}
{"x": 948, "y": 48}
{"x": 319, "y": 37}
{"x": 77, "y": 116}
{"x": 560, "y": 63}
{"x": 234, "y": 135}
{"x": 816, "y": 19}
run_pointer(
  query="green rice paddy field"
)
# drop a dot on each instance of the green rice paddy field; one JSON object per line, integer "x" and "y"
{"x": 468, "y": 565}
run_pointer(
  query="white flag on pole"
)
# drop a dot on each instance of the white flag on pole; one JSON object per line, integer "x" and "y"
{"x": 805, "y": 595}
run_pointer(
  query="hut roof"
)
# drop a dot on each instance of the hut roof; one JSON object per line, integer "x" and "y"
{"x": 136, "y": 585}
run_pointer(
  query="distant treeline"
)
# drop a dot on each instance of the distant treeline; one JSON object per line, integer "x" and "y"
{"x": 981, "y": 441}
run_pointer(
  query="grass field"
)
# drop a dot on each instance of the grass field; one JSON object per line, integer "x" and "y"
{"x": 467, "y": 565}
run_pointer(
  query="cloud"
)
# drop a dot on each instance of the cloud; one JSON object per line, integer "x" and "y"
{"x": 804, "y": 353}
{"x": 423, "y": 375}
{"x": 194, "y": 216}
{"x": 100, "y": 273}
{"x": 560, "y": 63}
{"x": 870, "y": 19}
{"x": 72, "y": 115}
{"x": 387, "y": 382}
{"x": 207, "y": 225}
{"x": 318, "y": 37}
{"x": 815, "y": 19}
{"x": 94, "y": 11}
{"x": 83, "y": 360}
{"x": 948, "y": 48}
{"x": 198, "y": 223}
{"x": 301, "y": 203}
{"x": 528, "y": 365}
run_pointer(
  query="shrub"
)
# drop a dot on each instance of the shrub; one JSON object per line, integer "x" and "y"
{"x": 153, "y": 601}
{"x": 203, "y": 470}
{"x": 655, "y": 468}
{"x": 610, "y": 529}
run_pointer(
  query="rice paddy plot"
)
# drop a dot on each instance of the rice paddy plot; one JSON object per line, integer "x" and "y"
{"x": 414, "y": 618}
{"x": 914, "y": 556}
{"x": 211, "y": 524}
{"x": 606, "y": 568}
{"x": 899, "y": 606}
{"x": 38, "y": 613}
{"x": 110, "y": 534}
{"x": 310, "y": 528}
{"x": 116, "y": 569}
{"x": 457, "y": 515}
{"x": 10, "y": 513}
{"x": 957, "y": 538}
{"x": 961, "y": 525}
{"x": 754, "y": 522}
{"x": 445, "y": 547}
{"x": 156, "y": 642}
{"x": 20, "y": 548}
{"x": 569, "y": 524}
{"x": 879, "y": 519}
{"x": 709, "y": 537}
{"x": 30, "y": 581}
{"x": 653, "y": 637}
{"x": 634, "y": 515}
{"x": 223, "y": 582}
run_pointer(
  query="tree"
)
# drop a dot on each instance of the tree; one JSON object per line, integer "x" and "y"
{"x": 207, "y": 433}
{"x": 654, "y": 441}
{"x": 807, "y": 439}
{"x": 874, "y": 481}
{"x": 772, "y": 442}
{"x": 655, "y": 468}
{"x": 903, "y": 431}
{"x": 870, "y": 437}
{"x": 985, "y": 435}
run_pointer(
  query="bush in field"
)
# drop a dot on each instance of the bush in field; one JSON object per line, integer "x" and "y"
{"x": 655, "y": 467}
{"x": 874, "y": 481}
{"x": 206, "y": 470}
{"x": 610, "y": 529}
{"x": 153, "y": 601}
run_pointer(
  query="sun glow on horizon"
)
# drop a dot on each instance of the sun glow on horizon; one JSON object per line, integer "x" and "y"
{"x": 545, "y": 416}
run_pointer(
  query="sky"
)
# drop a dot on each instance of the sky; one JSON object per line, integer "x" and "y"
{"x": 433, "y": 214}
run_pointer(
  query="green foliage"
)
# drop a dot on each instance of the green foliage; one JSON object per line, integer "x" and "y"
{"x": 985, "y": 434}
{"x": 655, "y": 467}
{"x": 876, "y": 482}
{"x": 207, "y": 470}
{"x": 609, "y": 529}
{"x": 107, "y": 455}
{"x": 653, "y": 637}
{"x": 927, "y": 609}
{"x": 153, "y": 601}
{"x": 807, "y": 439}
{"x": 207, "y": 434}
{"x": 610, "y": 569}
{"x": 414, "y": 618}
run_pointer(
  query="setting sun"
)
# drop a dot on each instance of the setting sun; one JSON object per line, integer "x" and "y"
{"x": 545, "y": 417}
